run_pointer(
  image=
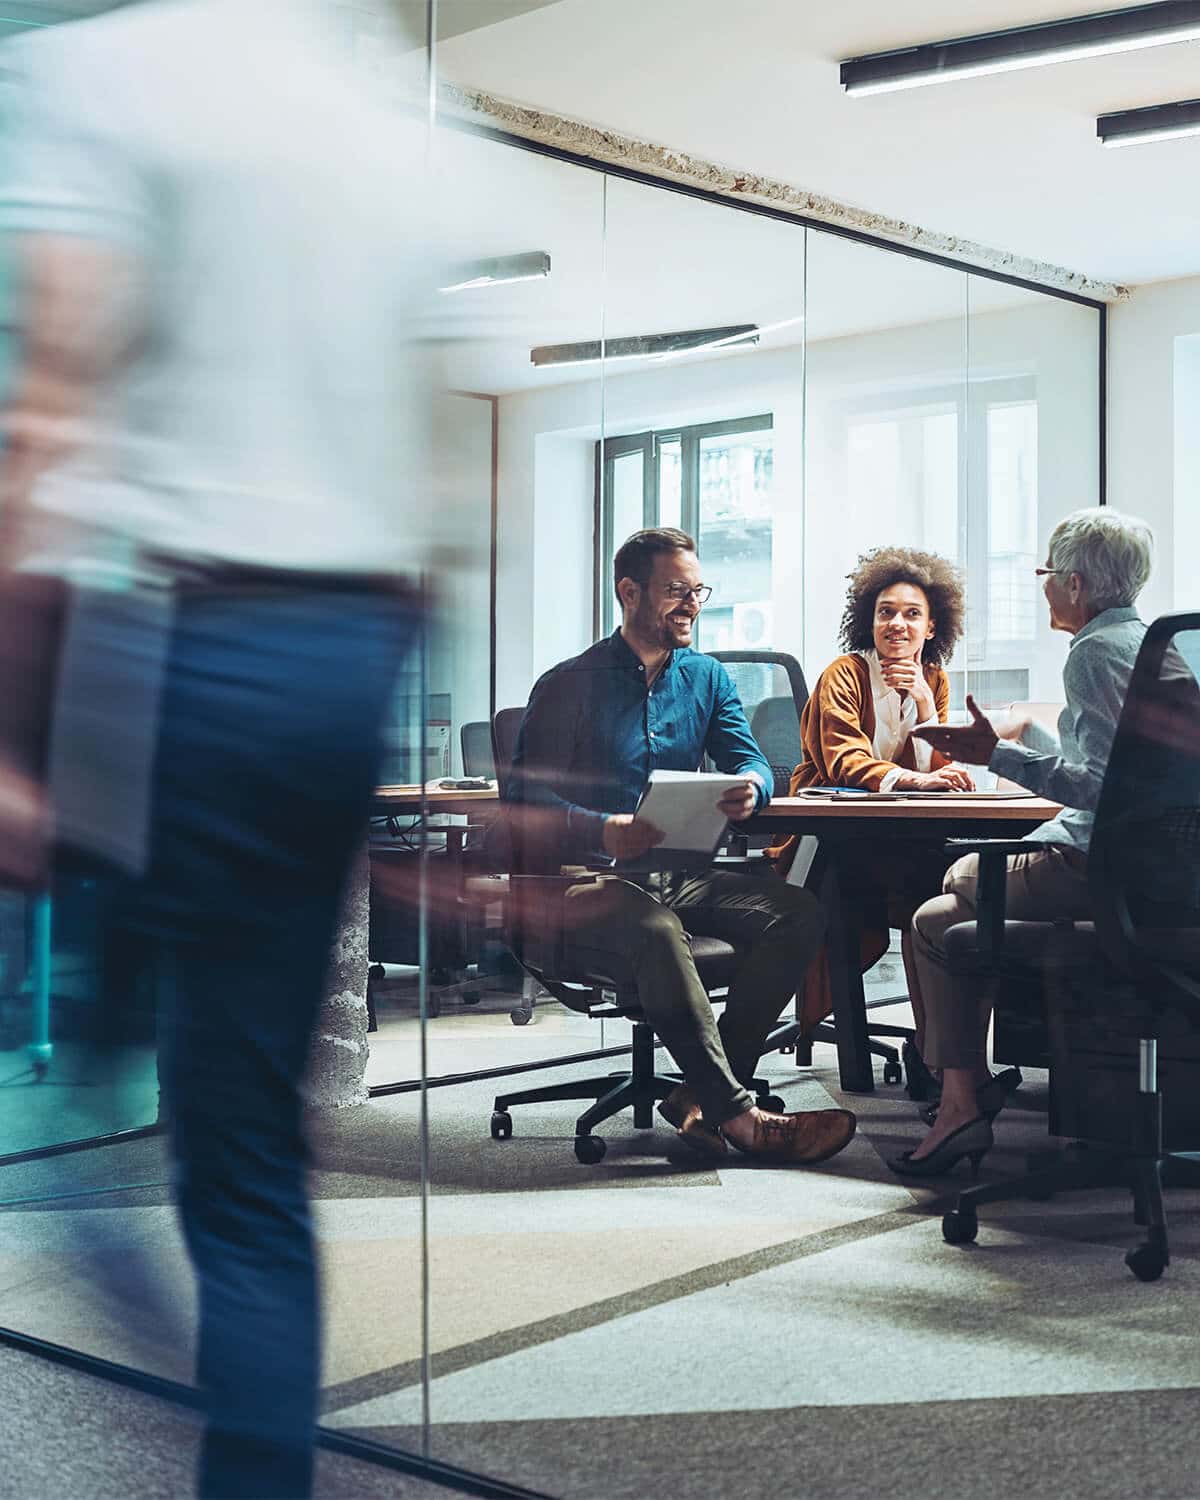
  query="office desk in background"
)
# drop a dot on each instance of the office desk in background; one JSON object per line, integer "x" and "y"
{"x": 838, "y": 822}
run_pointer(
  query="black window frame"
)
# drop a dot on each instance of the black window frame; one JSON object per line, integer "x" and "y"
{"x": 608, "y": 450}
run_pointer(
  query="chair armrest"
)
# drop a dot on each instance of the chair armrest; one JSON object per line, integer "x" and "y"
{"x": 990, "y": 893}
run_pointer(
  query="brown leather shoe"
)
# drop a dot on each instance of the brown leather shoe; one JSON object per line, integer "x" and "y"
{"x": 680, "y": 1109}
{"x": 802, "y": 1138}
{"x": 678, "y": 1104}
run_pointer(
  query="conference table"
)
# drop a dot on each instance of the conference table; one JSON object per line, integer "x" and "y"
{"x": 838, "y": 821}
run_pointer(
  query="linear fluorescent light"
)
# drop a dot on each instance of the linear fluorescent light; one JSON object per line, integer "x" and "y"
{"x": 1158, "y": 122}
{"x": 500, "y": 271}
{"x": 1023, "y": 47}
{"x": 644, "y": 346}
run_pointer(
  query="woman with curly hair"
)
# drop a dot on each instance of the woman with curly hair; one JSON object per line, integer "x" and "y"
{"x": 903, "y": 617}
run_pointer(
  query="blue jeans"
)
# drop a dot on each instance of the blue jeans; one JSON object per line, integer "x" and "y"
{"x": 270, "y": 727}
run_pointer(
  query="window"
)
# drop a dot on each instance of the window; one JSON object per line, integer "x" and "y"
{"x": 905, "y": 463}
{"x": 714, "y": 481}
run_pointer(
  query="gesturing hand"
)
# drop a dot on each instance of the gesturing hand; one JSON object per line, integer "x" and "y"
{"x": 627, "y": 837}
{"x": 972, "y": 743}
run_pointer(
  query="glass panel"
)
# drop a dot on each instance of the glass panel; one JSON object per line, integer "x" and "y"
{"x": 1033, "y": 444}
{"x": 490, "y": 1025}
{"x": 886, "y": 418}
{"x": 726, "y": 413}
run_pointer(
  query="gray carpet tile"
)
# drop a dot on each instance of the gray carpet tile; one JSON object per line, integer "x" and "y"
{"x": 1073, "y": 1447}
{"x": 66, "y": 1433}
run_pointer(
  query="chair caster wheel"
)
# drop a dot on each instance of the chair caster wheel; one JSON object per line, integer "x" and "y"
{"x": 893, "y": 1073}
{"x": 520, "y": 1017}
{"x": 787, "y": 1050}
{"x": 589, "y": 1149}
{"x": 1147, "y": 1262}
{"x": 960, "y": 1226}
{"x": 773, "y": 1104}
{"x": 501, "y": 1125}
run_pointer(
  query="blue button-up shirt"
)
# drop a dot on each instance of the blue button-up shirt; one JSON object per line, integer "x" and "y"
{"x": 593, "y": 732}
{"x": 1070, "y": 769}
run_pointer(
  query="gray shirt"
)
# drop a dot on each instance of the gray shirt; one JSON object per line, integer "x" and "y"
{"x": 1070, "y": 769}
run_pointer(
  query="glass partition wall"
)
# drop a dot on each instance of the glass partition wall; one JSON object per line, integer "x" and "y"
{"x": 615, "y": 354}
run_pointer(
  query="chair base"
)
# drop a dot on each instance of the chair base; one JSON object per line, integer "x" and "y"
{"x": 793, "y": 1038}
{"x": 1082, "y": 1167}
{"x": 640, "y": 1090}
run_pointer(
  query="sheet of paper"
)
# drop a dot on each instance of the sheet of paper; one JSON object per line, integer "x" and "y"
{"x": 684, "y": 805}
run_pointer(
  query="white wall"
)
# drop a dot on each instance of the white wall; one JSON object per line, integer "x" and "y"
{"x": 460, "y": 639}
{"x": 546, "y": 473}
{"x": 1148, "y": 471}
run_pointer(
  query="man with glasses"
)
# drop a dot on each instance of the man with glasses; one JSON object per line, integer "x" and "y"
{"x": 596, "y": 726}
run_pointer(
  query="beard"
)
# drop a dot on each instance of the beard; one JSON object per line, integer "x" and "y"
{"x": 653, "y": 628}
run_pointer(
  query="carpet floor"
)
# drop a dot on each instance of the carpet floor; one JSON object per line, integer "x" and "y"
{"x": 650, "y": 1324}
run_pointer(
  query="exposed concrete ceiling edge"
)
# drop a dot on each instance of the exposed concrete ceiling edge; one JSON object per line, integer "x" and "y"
{"x": 678, "y": 166}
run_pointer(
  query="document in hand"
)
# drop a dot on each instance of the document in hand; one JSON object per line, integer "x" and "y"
{"x": 684, "y": 805}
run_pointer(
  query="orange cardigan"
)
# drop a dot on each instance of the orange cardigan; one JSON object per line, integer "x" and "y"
{"x": 837, "y": 728}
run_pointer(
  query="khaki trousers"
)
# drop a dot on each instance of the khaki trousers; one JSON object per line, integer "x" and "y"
{"x": 781, "y": 926}
{"x": 1047, "y": 884}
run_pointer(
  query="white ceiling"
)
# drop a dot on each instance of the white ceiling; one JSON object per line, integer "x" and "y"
{"x": 1009, "y": 160}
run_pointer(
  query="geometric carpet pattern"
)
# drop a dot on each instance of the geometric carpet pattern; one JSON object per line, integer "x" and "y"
{"x": 653, "y": 1324}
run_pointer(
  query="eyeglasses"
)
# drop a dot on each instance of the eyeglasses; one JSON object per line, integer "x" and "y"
{"x": 1042, "y": 572}
{"x": 702, "y": 592}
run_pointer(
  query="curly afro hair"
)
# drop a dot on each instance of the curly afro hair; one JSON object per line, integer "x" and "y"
{"x": 877, "y": 570}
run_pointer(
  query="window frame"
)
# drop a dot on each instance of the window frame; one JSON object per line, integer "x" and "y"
{"x": 609, "y": 449}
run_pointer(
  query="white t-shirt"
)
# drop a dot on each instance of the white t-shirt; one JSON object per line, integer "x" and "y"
{"x": 272, "y": 411}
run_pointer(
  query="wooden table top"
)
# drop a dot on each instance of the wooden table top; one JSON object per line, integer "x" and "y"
{"x": 908, "y": 809}
{"x": 781, "y": 809}
{"x": 410, "y": 799}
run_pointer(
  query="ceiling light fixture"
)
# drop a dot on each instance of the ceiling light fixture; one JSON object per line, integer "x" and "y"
{"x": 645, "y": 346}
{"x": 500, "y": 271}
{"x": 1023, "y": 47}
{"x": 1159, "y": 122}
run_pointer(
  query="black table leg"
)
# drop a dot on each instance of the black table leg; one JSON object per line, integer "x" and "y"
{"x": 844, "y": 941}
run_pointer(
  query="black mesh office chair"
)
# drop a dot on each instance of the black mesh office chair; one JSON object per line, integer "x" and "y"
{"x": 477, "y": 757}
{"x": 504, "y": 741}
{"x": 1122, "y": 992}
{"x": 599, "y": 983}
{"x": 773, "y": 691}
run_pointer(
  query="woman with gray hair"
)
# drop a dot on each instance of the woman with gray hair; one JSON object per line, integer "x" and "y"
{"x": 1096, "y": 565}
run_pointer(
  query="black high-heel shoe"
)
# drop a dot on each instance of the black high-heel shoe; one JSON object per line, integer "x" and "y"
{"x": 991, "y": 1096}
{"x": 973, "y": 1141}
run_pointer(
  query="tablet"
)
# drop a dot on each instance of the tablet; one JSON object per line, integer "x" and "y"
{"x": 684, "y": 805}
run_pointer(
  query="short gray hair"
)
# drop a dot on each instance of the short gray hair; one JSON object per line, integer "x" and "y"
{"x": 1111, "y": 552}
